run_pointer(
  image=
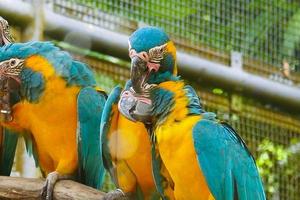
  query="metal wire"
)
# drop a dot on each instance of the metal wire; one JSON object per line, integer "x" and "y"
{"x": 252, "y": 121}
{"x": 266, "y": 32}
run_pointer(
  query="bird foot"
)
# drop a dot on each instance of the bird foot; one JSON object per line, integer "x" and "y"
{"x": 47, "y": 191}
{"x": 52, "y": 178}
{"x": 117, "y": 194}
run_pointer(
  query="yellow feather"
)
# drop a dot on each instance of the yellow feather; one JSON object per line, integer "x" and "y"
{"x": 52, "y": 121}
{"x": 176, "y": 147}
{"x": 129, "y": 143}
{"x": 39, "y": 64}
{"x": 172, "y": 49}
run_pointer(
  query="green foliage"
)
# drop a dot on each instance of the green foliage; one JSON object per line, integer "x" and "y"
{"x": 291, "y": 39}
{"x": 273, "y": 156}
{"x": 269, "y": 156}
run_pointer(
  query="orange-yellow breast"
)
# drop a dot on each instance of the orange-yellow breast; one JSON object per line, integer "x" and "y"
{"x": 176, "y": 148}
{"x": 52, "y": 120}
{"x": 177, "y": 151}
{"x": 130, "y": 143}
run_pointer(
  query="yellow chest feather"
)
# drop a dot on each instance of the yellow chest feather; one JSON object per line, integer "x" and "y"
{"x": 131, "y": 152}
{"x": 176, "y": 147}
{"x": 175, "y": 144}
{"x": 52, "y": 121}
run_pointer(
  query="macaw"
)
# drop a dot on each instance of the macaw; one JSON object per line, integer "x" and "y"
{"x": 205, "y": 158}
{"x": 58, "y": 109}
{"x": 126, "y": 152}
{"x": 8, "y": 140}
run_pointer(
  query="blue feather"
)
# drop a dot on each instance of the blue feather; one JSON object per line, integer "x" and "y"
{"x": 162, "y": 103}
{"x": 7, "y": 151}
{"x": 194, "y": 105}
{"x": 32, "y": 86}
{"x": 90, "y": 106}
{"x": 107, "y": 115}
{"x": 146, "y": 38}
{"x": 62, "y": 62}
{"x": 161, "y": 182}
{"x": 226, "y": 163}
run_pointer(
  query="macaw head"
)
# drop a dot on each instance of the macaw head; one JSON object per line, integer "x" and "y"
{"x": 153, "y": 58}
{"x": 9, "y": 84}
{"x": 153, "y": 61}
{"x": 5, "y": 37}
{"x": 17, "y": 80}
{"x": 13, "y": 57}
{"x": 34, "y": 65}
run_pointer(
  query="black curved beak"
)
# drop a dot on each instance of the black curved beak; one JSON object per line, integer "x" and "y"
{"x": 139, "y": 74}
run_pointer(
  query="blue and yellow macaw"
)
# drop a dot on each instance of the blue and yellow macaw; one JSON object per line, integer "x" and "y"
{"x": 8, "y": 140}
{"x": 205, "y": 158}
{"x": 57, "y": 108}
{"x": 126, "y": 152}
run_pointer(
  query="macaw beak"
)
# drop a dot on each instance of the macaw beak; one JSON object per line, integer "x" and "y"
{"x": 139, "y": 74}
{"x": 9, "y": 84}
{"x": 5, "y": 103}
{"x": 135, "y": 107}
{"x": 4, "y": 37}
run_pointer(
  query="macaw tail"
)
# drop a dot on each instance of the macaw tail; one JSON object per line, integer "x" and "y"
{"x": 8, "y": 144}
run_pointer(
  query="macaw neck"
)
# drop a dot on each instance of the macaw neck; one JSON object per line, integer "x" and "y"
{"x": 32, "y": 85}
{"x": 173, "y": 101}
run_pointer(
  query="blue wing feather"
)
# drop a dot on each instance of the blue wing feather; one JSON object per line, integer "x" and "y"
{"x": 159, "y": 172}
{"x": 7, "y": 151}
{"x": 226, "y": 163}
{"x": 107, "y": 115}
{"x": 90, "y": 107}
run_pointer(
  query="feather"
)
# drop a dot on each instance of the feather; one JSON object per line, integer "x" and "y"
{"x": 90, "y": 105}
{"x": 8, "y": 144}
{"x": 227, "y": 164}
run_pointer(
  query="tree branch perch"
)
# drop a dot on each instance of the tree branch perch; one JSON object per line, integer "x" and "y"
{"x": 29, "y": 188}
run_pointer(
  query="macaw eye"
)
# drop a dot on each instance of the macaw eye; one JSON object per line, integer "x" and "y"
{"x": 12, "y": 63}
{"x": 156, "y": 54}
{"x": 144, "y": 55}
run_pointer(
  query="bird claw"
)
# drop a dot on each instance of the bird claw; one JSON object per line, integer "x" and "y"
{"x": 47, "y": 190}
{"x": 117, "y": 194}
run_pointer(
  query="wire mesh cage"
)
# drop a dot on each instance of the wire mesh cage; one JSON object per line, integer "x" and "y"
{"x": 266, "y": 32}
{"x": 253, "y": 122}
{"x": 266, "y": 132}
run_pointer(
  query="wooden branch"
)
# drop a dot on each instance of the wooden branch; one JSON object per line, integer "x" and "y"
{"x": 29, "y": 188}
